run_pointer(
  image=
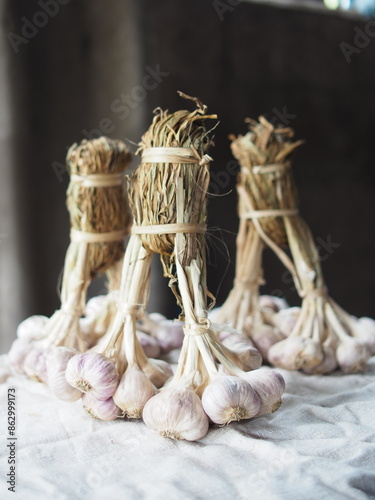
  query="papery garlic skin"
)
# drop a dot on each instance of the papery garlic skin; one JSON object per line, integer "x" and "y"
{"x": 150, "y": 345}
{"x": 364, "y": 330}
{"x": 352, "y": 355}
{"x": 56, "y": 363}
{"x": 285, "y": 319}
{"x": 32, "y": 328}
{"x": 328, "y": 365}
{"x": 228, "y": 398}
{"x": 158, "y": 371}
{"x": 176, "y": 413}
{"x": 19, "y": 349}
{"x": 100, "y": 409}
{"x": 269, "y": 385}
{"x": 133, "y": 392}
{"x": 264, "y": 337}
{"x": 35, "y": 365}
{"x": 92, "y": 373}
{"x": 247, "y": 356}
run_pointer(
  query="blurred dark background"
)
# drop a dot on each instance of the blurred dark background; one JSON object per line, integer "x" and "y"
{"x": 64, "y": 80}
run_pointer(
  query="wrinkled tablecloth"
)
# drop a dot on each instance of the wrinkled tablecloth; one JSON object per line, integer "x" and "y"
{"x": 320, "y": 444}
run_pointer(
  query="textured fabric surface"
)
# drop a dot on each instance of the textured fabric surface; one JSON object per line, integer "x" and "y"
{"x": 319, "y": 444}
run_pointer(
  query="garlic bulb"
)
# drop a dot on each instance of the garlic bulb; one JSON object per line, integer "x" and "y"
{"x": 35, "y": 365}
{"x": 95, "y": 305}
{"x": 32, "y": 328}
{"x": 228, "y": 398}
{"x": 272, "y": 302}
{"x": 101, "y": 409}
{"x": 264, "y": 337}
{"x": 158, "y": 371}
{"x": 169, "y": 334}
{"x": 295, "y": 353}
{"x": 364, "y": 330}
{"x": 246, "y": 356}
{"x": 328, "y": 365}
{"x": 17, "y": 354}
{"x": 177, "y": 413}
{"x": 133, "y": 392}
{"x": 285, "y": 319}
{"x": 150, "y": 345}
{"x": 155, "y": 316}
{"x": 352, "y": 355}
{"x": 269, "y": 385}
{"x": 56, "y": 362}
{"x": 92, "y": 373}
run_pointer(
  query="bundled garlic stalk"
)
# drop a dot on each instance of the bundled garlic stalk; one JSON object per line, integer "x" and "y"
{"x": 168, "y": 195}
{"x": 100, "y": 219}
{"x": 323, "y": 336}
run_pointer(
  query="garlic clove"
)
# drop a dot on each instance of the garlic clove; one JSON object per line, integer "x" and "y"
{"x": 92, "y": 373}
{"x": 352, "y": 355}
{"x": 35, "y": 365}
{"x": 269, "y": 385}
{"x": 295, "y": 353}
{"x": 101, "y": 409}
{"x": 133, "y": 392}
{"x": 150, "y": 345}
{"x": 169, "y": 334}
{"x": 247, "y": 356}
{"x": 228, "y": 398}
{"x": 272, "y": 302}
{"x": 32, "y": 328}
{"x": 17, "y": 354}
{"x": 158, "y": 371}
{"x": 176, "y": 413}
{"x": 56, "y": 362}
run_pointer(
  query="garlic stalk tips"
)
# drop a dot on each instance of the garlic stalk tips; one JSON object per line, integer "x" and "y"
{"x": 133, "y": 392}
{"x": 176, "y": 413}
{"x": 228, "y": 398}
{"x": 94, "y": 374}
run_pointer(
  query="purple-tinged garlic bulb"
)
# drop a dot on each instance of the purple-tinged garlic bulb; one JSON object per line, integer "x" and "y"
{"x": 150, "y": 345}
{"x": 276, "y": 304}
{"x": 35, "y": 365}
{"x": 295, "y": 353}
{"x": 133, "y": 392}
{"x": 176, "y": 413}
{"x": 32, "y": 328}
{"x": 56, "y": 363}
{"x": 101, "y": 409}
{"x": 247, "y": 357}
{"x": 93, "y": 373}
{"x": 228, "y": 398}
{"x": 269, "y": 385}
{"x": 352, "y": 355}
{"x": 158, "y": 371}
{"x": 16, "y": 356}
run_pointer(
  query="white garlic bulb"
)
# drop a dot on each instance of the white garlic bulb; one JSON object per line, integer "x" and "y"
{"x": 264, "y": 337}
{"x": 177, "y": 413}
{"x": 17, "y": 354}
{"x": 155, "y": 316}
{"x": 269, "y": 385}
{"x": 352, "y": 355}
{"x": 228, "y": 398}
{"x": 272, "y": 302}
{"x": 150, "y": 345}
{"x": 285, "y": 319}
{"x": 92, "y": 373}
{"x": 158, "y": 371}
{"x": 328, "y": 365}
{"x": 247, "y": 356}
{"x": 364, "y": 330}
{"x": 101, "y": 409}
{"x": 56, "y": 362}
{"x": 32, "y": 328}
{"x": 35, "y": 365}
{"x": 95, "y": 305}
{"x": 295, "y": 353}
{"x": 169, "y": 334}
{"x": 133, "y": 392}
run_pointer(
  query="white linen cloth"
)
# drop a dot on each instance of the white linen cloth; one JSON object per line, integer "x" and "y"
{"x": 320, "y": 444}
